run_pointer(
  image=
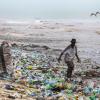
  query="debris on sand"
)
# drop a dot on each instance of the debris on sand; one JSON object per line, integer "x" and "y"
{"x": 38, "y": 76}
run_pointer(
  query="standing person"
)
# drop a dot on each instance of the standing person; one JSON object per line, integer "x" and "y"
{"x": 2, "y": 59}
{"x": 70, "y": 52}
{"x": 6, "y": 59}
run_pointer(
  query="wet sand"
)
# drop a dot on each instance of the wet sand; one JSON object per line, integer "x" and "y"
{"x": 56, "y": 34}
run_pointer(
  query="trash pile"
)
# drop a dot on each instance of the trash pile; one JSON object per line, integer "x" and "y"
{"x": 88, "y": 69}
{"x": 40, "y": 77}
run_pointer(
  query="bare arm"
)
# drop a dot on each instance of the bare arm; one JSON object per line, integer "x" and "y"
{"x": 62, "y": 53}
{"x": 77, "y": 56}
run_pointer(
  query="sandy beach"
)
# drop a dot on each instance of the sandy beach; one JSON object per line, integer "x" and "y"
{"x": 38, "y": 44}
{"x": 56, "y": 34}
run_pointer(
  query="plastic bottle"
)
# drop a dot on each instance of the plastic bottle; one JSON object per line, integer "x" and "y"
{"x": 92, "y": 97}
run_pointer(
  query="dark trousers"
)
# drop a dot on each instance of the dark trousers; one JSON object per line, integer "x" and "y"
{"x": 70, "y": 69}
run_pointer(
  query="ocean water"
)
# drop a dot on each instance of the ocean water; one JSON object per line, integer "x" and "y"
{"x": 67, "y": 20}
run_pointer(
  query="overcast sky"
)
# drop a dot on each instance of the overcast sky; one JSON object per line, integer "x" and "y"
{"x": 48, "y": 8}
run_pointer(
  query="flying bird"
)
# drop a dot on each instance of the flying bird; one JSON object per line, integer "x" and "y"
{"x": 97, "y": 13}
{"x": 93, "y": 14}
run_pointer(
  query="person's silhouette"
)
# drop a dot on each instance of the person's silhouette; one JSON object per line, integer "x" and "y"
{"x": 70, "y": 53}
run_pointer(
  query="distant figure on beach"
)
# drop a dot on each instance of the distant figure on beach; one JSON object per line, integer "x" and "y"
{"x": 2, "y": 61}
{"x": 6, "y": 59}
{"x": 70, "y": 52}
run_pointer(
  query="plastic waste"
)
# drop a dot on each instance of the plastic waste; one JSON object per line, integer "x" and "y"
{"x": 11, "y": 97}
{"x": 44, "y": 77}
{"x": 92, "y": 97}
{"x": 9, "y": 87}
